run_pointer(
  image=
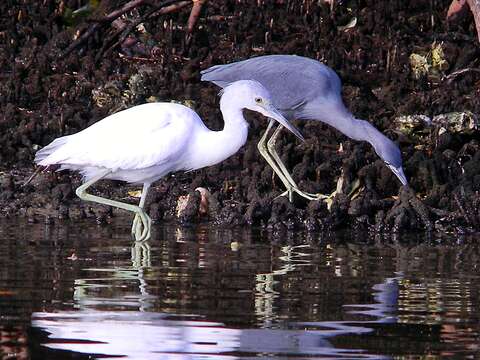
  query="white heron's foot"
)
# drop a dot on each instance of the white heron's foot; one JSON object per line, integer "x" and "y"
{"x": 309, "y": 196}
{"x": 141, "y": 227}
{"x": 141, "y": 254}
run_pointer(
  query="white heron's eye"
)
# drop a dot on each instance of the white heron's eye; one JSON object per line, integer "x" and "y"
{"x": 258, "y": 100}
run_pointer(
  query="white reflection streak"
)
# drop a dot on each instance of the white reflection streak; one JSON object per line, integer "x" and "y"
{"x": 137, "y": 335}
{"x": 265, "y": 294}
{"x": 386, "y": 295}
{"x": 140, "y": 261}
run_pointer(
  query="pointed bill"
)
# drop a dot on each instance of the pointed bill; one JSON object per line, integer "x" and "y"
{"x": 273, "y": 113}
{"x": 400, "y": 174}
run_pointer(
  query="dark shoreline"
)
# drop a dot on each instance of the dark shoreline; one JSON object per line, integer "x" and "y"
{"x": 43, "y": 96}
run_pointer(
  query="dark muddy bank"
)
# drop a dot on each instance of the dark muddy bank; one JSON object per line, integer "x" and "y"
{"x": 43, "y": 96}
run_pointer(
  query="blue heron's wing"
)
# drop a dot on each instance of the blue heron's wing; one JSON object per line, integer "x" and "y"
{"x": 142, "y": 136}
{"x": 293, "y": 81}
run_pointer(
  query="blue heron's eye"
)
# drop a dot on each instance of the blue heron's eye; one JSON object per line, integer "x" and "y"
{"x": 258, "y": 100}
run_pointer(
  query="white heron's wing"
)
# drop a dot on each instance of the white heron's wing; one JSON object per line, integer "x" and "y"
{"x": 136, "y": 138}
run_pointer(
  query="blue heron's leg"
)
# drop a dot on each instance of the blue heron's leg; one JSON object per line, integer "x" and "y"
{"x": 293, "y": 186}
{"x": 262, "y": 147}
{"x": 137, "y": 225}
{"x": 82, "y": 194}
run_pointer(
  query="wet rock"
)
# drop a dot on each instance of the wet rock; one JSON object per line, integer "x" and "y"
{"x": 7, "y": 183}
{"x": 231, "y": 214}
{"x": 101, "y": 213}
{"x": 258, "y": 211}
{"x": 407, "y": 211}
{"x": 62, "y": 192}
{"x": 284, "y": 214}
{"x": 188, "y": 207}
{"x": 30, "y": 214}
{"x": 75, "y": 212}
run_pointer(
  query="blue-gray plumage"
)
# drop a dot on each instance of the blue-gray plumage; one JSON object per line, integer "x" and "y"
{"x": 303, "y": 88}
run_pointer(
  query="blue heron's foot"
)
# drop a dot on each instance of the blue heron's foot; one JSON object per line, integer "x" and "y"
{"x": 309, "y": 196}
{"x": 141, "y": 227}
{"x": 141, "y": 254}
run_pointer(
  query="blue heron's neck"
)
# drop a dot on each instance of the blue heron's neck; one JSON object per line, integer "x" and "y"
{"x": 336, "y": 115}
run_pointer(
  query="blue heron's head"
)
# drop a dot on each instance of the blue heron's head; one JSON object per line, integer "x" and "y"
{"x": 391, "y": 155}
{"x": 385, "y": 148}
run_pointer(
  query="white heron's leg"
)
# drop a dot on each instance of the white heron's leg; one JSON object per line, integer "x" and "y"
{"x": 137, "y": 226}
{"x": 293, "y": 186}
{"x": 262, "y": 147}
{"x": 82, "y": 194}
{"x": 141, "y": 255}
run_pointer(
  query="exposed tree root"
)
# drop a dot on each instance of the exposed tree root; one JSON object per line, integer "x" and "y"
{"x": 123, "y": 32}
{"x": 163, "y": 7}
{"x": 458, "y": 9}
{"x": 406, "y": 206}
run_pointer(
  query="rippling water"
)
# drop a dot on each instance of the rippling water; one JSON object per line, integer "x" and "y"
{"x": 76, "y": 290}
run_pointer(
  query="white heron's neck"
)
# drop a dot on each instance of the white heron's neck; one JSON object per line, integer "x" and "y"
{"x": 212, "y": 147}
{"x": 235, "y": 129}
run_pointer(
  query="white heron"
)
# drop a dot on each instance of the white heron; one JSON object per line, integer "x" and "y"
{"x": 146, "y": 142}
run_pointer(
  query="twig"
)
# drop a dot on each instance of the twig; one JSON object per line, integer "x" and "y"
{"x": 192, "y": 20}
{"x": 125, "y": 8}
{"x": 136, "y": 58}
{"x": 109, "y": 18}
{"x": 79, "y": 41}
{"x": 194, "y": 14}
{"x": 36, "y": 172}
{"x": 158, "y": 10}
{"x": 454, "y": 74}
{"x": 457, "y": 8}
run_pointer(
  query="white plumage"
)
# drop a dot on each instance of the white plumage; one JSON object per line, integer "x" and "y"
{"x": 146, "y": 142}
{"x": 138, "y": 145}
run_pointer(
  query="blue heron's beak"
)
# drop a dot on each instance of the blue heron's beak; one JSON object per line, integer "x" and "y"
{"x": 400, "y": 174}
{"x": 273, "y": 113}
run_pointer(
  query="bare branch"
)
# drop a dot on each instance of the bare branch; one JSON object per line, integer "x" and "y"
{"x": 109, "y": 18}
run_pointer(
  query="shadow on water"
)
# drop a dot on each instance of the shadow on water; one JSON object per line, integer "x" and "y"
{"x": 77, "y": 290}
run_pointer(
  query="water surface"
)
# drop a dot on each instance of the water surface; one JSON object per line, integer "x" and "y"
{"x": 77, "y": 290}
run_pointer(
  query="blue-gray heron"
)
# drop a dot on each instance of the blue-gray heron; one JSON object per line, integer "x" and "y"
{"x": 146, "y": 142}
{"x": 303, "y": 88}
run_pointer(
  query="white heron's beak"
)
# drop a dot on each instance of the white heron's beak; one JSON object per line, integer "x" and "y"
{"x": 400, "y": 174}
{"x": 271, "y": 112}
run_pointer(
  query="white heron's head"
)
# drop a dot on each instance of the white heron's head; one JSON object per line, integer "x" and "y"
{"x": 250, "y": 94}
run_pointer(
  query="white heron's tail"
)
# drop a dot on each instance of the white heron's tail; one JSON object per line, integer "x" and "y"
{"x": 41, "y": 157}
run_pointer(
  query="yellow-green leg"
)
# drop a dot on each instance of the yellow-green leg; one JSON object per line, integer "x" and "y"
{"x": 145, "y": 219}
{"x": 293, "y": 186}
{"x": 262, "y": 147}
{"x": 137, "y": 225}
